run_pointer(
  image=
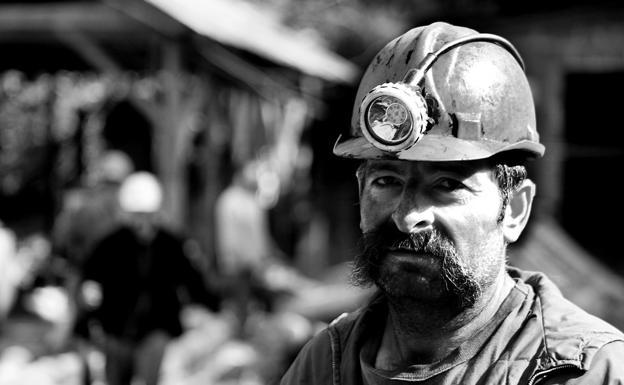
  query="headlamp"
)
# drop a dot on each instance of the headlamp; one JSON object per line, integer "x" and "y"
{"x": 394, "y": 116}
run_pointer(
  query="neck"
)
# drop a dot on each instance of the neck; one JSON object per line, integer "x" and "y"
{"x": 420, "y": 334}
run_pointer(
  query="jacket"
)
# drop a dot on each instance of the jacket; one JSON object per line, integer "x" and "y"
{"x": 544, "y": 339}
{"x": 142, "y": 284}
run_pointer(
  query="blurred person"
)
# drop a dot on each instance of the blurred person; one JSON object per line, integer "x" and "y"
{"x": 137, "y": 281}
{"x": 10, "y": 272}
{"x": 243, "y": 241}
{"x": 444, "y": 124}
{"x": 90, "y": 211}
{"x": 256, "y": 271}
{"x": 21, "y": 262}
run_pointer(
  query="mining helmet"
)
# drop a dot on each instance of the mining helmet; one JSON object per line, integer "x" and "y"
{"x": 442, "y": 93}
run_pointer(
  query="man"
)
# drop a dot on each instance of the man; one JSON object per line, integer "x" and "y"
{"x": 444, "y": 121}
{"x": 90, "y": 211}
{"x": 136, "y": 281}
{"x": 10, "y": 274}
{"x": 252, "y": 265}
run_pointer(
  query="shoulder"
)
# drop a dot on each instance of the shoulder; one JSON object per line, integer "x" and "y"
{"x": 169, "y": 237}
{"x": 116, "y": 237}
{"x": 330, "y": 338}
{"x": 561, "y": 316}
{"x": 323, "y": 356}
{"x": 319, "y": 357}
{"x": 607, "y": 368}
{"x": 313, "y": 364}
{"x": 573, "y": 338}
{"x": 172, "y": 245}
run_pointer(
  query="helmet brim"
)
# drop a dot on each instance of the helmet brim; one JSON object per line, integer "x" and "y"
{"x": 434, "y": 148}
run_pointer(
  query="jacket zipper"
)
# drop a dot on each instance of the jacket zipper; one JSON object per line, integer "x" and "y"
{"x": 538, "y": 377}
{"x": 334, "y": 340}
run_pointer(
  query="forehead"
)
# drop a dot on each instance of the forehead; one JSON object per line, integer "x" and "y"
{"x": 463, "y": 168}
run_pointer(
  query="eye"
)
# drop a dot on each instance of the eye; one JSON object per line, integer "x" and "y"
{"x": 449, "y": 184}
{"x": 386, "y": 181}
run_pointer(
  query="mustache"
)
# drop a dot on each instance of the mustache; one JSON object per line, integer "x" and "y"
{"x": 375, "y": 245}
{"x": 388, "y": 238}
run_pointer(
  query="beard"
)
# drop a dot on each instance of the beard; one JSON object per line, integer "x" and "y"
{"x": 450, "y": 282}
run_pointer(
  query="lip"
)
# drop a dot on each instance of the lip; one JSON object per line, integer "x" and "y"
{"x": 411, "y": 260}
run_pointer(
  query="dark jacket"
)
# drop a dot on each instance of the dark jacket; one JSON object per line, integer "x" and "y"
{"x": 142, "y": 284}
{"x": 543, "y": 338}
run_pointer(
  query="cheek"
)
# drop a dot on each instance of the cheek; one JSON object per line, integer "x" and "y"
{"x": 483, "y": 212}
{"x": 480, "y": 243}
{"x": 473, "y": 225}
{"x": 373, "y": 212}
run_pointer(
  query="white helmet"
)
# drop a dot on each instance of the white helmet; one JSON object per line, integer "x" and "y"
{"x": 140, "y": 192}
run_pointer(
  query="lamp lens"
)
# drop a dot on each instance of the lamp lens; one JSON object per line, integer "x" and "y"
{"x": 389, "y": 120}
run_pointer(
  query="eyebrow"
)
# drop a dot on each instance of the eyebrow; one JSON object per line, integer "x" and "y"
{"x": 463, "y": 168}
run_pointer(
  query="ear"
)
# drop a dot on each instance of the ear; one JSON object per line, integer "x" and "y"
{"x": 518, "y": 210}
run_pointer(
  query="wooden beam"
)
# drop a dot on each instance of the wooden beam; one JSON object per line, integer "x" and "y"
{"x": 24, "y": 22}
{"x": 253, "y": 76}
{"x": 170, "y": 136}
{"x": 90, "y": 51}
{"x": 149, "y": 16}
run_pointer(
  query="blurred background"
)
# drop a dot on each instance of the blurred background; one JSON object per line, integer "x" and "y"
{"x": 199, "y": 92}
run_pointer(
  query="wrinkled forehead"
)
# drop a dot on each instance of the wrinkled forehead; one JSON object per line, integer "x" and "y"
{"x": 422, "y": 168}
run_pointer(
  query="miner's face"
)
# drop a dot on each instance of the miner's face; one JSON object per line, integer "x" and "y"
{"x": 430, "y": 229}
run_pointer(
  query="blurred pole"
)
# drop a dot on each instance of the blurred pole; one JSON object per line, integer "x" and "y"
{"x": 549, "y": 177}
{"x": 169, "y": 136}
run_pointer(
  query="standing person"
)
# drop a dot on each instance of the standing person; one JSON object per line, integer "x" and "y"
{"x": 134, "y": 279}
{"x": 243, "y": 239}
{"x": 91, "y": 211}
{"x": 88, "y": 213}
{"x": 444, "y": 122}
{"x": 247, "y": 254}
{"x": 10, "y": 273}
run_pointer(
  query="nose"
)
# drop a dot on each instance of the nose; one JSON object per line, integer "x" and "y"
{"x": 412, "y": 217}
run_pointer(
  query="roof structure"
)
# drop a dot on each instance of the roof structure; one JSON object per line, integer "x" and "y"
{"x": 250, "y": 27}
{"x": 110, "y": 35}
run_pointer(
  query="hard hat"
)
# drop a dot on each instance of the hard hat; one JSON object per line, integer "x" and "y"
{"x": 140, "y": 192}
{"x": 442, "y": 93}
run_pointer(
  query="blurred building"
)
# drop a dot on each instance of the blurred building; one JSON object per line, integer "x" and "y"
{"x": 192, "y": 89}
